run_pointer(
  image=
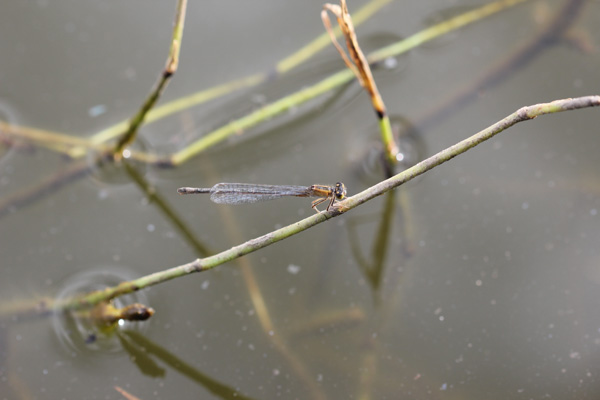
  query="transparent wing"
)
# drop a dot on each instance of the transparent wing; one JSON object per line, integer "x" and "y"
{"x": 242, "y": 193}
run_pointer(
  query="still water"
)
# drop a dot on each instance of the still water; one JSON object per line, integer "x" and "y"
{"x": 477, "y": 280}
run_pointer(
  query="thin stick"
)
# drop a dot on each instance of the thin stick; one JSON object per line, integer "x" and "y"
{"x": 170, "y": 68}
{"x": 199, "y": 265}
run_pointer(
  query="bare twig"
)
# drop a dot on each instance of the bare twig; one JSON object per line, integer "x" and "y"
{"x": 199, "y": 265}
{"x": 361, "y": 69}
{"x": 46, "y": 306}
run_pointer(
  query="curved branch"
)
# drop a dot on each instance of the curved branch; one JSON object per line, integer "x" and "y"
{"x": 199, "y": 265}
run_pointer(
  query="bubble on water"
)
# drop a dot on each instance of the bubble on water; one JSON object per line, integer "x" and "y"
{"x": 411, "y": 150}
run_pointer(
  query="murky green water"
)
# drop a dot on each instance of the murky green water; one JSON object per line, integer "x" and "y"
{"x": 477, "y": 280}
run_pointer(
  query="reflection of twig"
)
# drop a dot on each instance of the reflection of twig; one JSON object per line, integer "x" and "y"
{"x": 330, "y": 320}
{"x": 166, "y": 208}
{"x": 372, "y": 267}
{"x": 170, "y": 68}
{"x": 212, "y": 385}
{"x": 361, "y": 69}
{"x": 48, "y": 184}
{"x": 552, "y": 33}
{"x": 199, "y": 265}
{"x": 262, "y": 311}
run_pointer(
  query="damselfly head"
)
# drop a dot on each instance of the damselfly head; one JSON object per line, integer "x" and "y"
{"x": 340, "y": 191}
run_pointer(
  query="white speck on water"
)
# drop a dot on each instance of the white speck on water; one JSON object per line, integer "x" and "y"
{"x": 293, "y": 269}
{"x": 102, "y": 194}
{"x": 151, "y": 228}
{"x": 478, "y": 282}
{"x": 390, "y": 63}
{"x": 575, "y": 355}
{"x": 444, "y": 386}
{"x": 593, "y": 212}
{"x": 204, "y": 285}
{"x": 525, "y": 205}
{"x": 97, "y": 110}
{"x": 319, "y": 377}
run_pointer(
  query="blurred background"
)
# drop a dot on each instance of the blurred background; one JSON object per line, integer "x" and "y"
{"x": 477, "y": 280}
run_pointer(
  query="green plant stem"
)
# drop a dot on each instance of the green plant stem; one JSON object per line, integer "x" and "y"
{"x": 204, "y": 264}
{"x": 212, "y": 138}
{"x": 442, "y": 28}
{"x": 388, "y": 140}
{"x": 523, "y": 114}
{"x": 203, "y": 96}
{"x": 260, "y": 115}
{"x": 170, "y": 69}
{"x": 551, "y": 33}
{"x": 337, "y": 80}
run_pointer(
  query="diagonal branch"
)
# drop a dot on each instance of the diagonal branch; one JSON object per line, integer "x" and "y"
{"x": 204, "y": 264}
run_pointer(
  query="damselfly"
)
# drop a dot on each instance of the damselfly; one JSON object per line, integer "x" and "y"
{"x": 241, "y": 193}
